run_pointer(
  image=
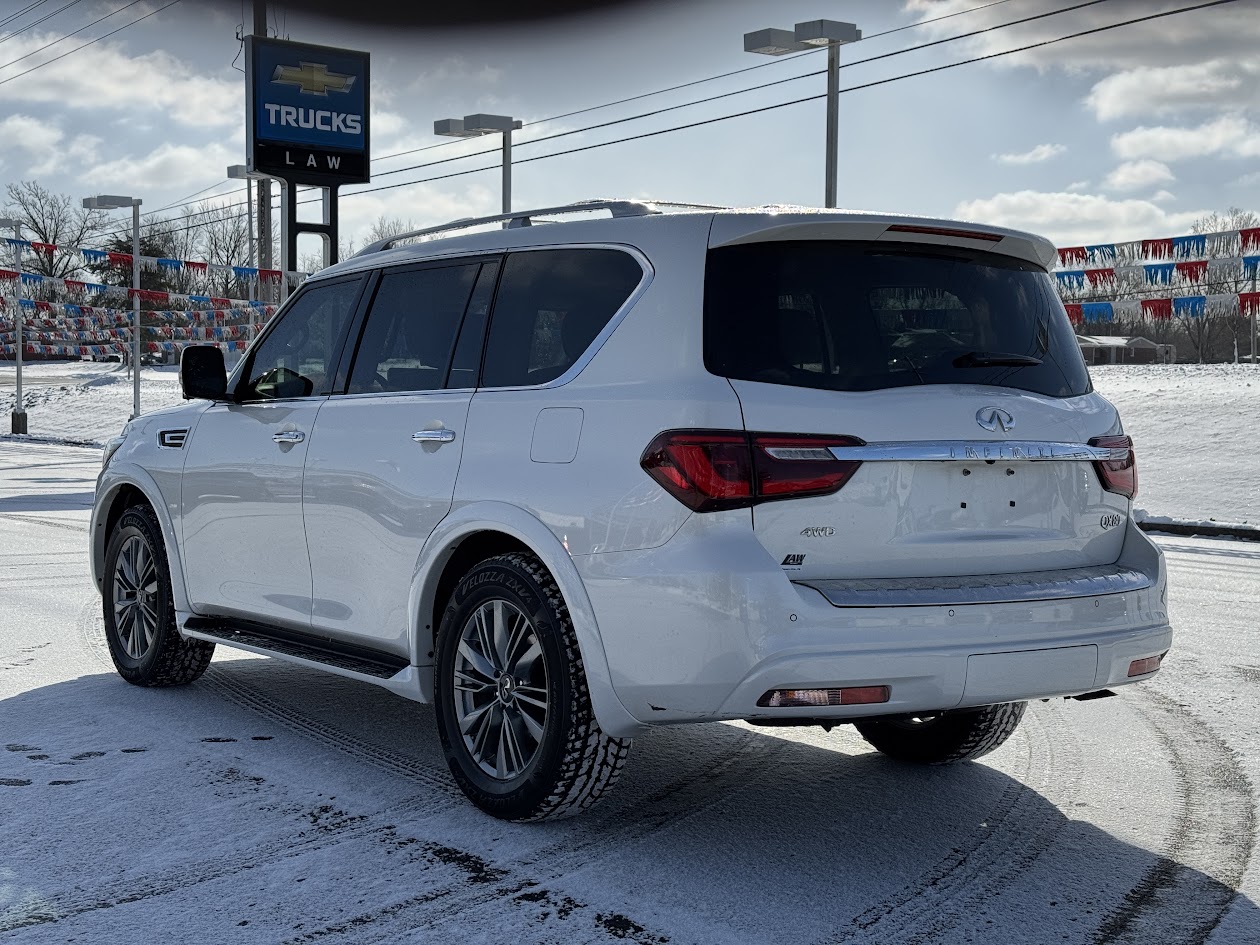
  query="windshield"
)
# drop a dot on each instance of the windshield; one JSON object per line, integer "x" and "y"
{"x": 865, "y": 316}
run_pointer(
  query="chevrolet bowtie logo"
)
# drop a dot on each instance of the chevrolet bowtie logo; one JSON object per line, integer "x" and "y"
{"x": 313, "y": 77}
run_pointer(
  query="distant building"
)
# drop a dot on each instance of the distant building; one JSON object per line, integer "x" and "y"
{"x": 1117, "y": 349}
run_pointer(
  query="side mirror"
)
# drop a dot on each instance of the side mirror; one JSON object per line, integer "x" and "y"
{"x": 202, "y": 374}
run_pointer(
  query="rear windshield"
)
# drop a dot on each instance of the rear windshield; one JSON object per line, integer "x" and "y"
{"x": 865, "y": 316}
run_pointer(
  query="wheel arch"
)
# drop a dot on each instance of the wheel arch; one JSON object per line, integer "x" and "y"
{"x": 118, "y": 491}
{"x": 485, "y": 529}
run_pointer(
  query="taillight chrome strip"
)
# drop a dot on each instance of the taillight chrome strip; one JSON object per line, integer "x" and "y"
{"x": 972, "y": 451}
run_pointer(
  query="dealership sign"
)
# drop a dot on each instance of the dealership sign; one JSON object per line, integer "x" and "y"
{"x": 307, "y": 112}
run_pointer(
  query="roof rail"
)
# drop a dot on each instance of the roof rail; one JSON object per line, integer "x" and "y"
{"x": 519, "y": 218}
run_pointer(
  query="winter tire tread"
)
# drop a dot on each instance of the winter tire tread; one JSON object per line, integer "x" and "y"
{"x": 590, "y": 761}
{"x": 953, "y": 737}
{"x": 172, "y": 660}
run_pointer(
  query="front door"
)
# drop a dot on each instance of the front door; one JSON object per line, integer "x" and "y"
{"x": 380, "y": 473}
{"x": 244, "y": 542}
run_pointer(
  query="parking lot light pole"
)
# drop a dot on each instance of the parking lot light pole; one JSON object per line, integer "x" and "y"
{"x": 115, "y": 202}
{"x": 241, "y": 172}
{"x": 810, "y": 35}
{"x": 473, "y": 126}
{"x": 19, "y": 411}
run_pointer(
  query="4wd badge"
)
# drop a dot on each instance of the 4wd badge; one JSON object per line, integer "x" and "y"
{"x": 793, "y": 561}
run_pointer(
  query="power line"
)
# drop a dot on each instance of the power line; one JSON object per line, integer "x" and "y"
{"x": 722, "y": 95}
{"x": 778, "y": 61}
{"x": 753, "y": 111}
{"x": 814, "y": 98}
{"x": 44, "y": 19}
{"x": 91, "y": 42}
{"x": 68, "y": 35}
{"x": 22, "y": 12}
{"x": 592, "y": 108}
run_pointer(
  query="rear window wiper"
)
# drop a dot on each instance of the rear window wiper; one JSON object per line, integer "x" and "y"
{"x": 983, "y": 359}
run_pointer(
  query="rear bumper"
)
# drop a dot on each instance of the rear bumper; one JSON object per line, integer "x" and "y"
{"x": 701, "y": 628}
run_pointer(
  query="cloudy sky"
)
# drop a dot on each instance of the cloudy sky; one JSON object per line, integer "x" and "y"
{"x": 1129, "y": 133}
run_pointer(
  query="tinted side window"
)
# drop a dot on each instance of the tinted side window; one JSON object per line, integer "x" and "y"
{"x": 551, "y": 305}
{"x": 296, "y": 357}
{"x": 410, "y": 331}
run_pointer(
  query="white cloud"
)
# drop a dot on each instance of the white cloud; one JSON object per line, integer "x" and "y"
{"x": 1227, "y": 136}
{"x": 169, "y": 165}
{"x": 1077, "y": 186}
{"x": 1223, "y": 32}
{"x": 45, "y": 145}
{"x": 106, "y": 76}
{"x": 1163, "y": 196}
{"x": 1159, "y": 90}
{"x": 1073, "y": 219}
{"x": 1042, "y": 152}
{"x": 1138, "y": 175}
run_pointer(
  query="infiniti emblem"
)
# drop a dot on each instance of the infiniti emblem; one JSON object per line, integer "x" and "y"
{"x": 994, "y": 418}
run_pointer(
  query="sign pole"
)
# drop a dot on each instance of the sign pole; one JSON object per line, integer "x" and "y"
{"x": 19, "y": 408}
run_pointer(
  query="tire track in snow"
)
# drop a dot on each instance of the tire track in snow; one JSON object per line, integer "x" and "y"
{"x": 526, "y": 887}
{"x": 690, "y": 794}
{"x": 1184, "y": 895}
{"x": 1015, "y": 832}
{"x": 323, "y": 833}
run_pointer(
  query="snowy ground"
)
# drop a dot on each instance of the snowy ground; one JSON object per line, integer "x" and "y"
{"x": 1193, "y": 424}
{"x": 268, "y": 803}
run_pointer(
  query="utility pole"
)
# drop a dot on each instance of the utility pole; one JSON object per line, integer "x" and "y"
{"x": 265, "y": 259}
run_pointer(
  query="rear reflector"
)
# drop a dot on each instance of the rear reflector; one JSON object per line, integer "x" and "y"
{"x": 853, "y": 695}
{"x": 1142, "y": 667}
{"x": 945, "y": 231}
{"x": 1119, "y": 476}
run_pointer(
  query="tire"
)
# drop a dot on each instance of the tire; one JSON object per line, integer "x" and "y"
{"x": 529, "y": 747}
{"x": 143, "y": 641}
{"x": 945, "y": 738}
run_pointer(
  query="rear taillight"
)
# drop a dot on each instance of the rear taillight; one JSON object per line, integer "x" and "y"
{"x": 1117, "y": 475}
{"x": 709, "y": 470}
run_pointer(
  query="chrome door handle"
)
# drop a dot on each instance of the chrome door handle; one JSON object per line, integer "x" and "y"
{"x": 288, "y": 436}
{"x": 433, "y": 436}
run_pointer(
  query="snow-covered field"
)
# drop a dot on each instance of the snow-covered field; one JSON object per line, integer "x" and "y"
{"x": 269, "y": 803}
{"x": 1194, "y": 424}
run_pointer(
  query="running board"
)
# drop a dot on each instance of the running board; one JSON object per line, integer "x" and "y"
{"x": 273, "y": 641}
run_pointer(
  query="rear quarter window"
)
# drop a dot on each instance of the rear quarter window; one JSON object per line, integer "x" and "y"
{"x": 550, "y": 306}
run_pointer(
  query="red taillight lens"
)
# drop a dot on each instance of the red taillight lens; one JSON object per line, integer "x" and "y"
{"x": 1117, "y": 475}
{"x": 793, "y": 466}
{"x": 709, "y": 470}
{"x": 705, "y": 470}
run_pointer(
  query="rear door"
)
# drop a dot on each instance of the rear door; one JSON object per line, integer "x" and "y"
{"x": 958, "y": 370}
{"x": 381, "y": 467}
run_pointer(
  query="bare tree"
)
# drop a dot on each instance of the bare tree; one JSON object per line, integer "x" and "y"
{"x": 386, "y": 227}
{"x": 1235, "y": 218}
{"x": 55, "y": 219}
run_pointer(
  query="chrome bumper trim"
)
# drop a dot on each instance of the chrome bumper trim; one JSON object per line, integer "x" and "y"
{"x": 980, "y": 588}
{"x": 972, "y": 451}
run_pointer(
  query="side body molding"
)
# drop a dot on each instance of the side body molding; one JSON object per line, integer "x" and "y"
{"x": 517, "y": 523}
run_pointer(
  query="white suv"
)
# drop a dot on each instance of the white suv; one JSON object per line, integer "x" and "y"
{"x": 569, "y": 481}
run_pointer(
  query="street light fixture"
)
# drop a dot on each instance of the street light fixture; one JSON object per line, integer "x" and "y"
{"x": 115, "y": 202}
{"x": 19, "y": 410}
{"x": 811, "y": 35}
{"x": 473, "y": 126}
